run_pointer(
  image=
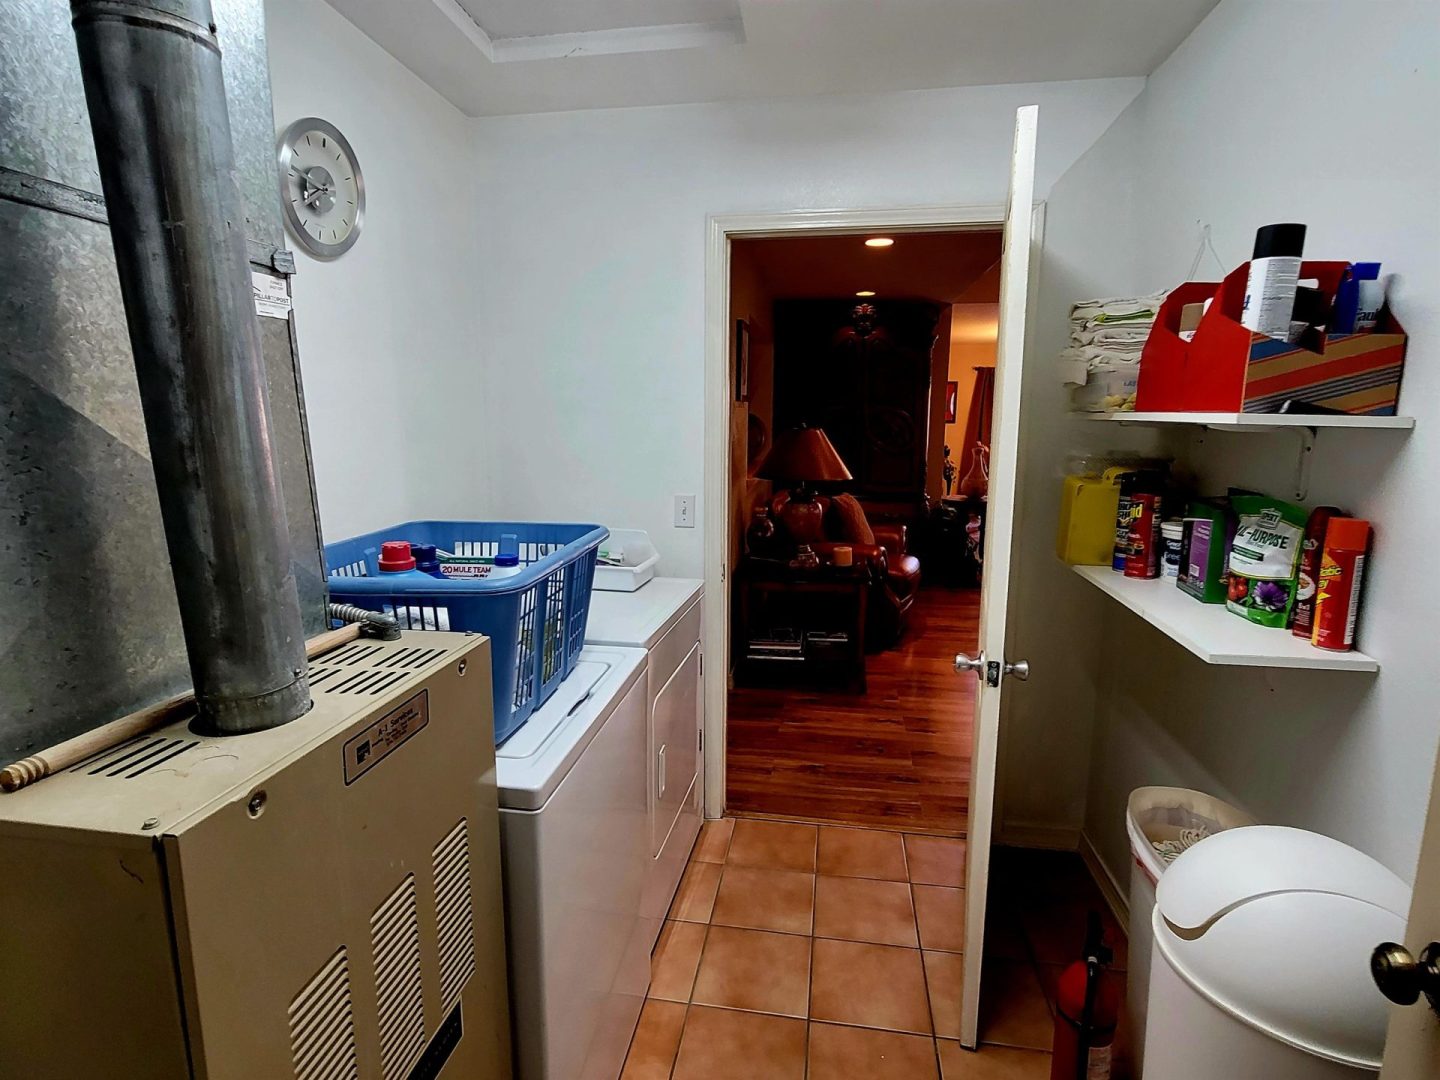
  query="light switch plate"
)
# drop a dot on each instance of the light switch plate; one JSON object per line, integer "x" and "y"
{"x": 684, "y": 511}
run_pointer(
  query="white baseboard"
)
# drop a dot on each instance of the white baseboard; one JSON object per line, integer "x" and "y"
{"x": 1117, "y": 897}
{"x": 1044, "y": 837}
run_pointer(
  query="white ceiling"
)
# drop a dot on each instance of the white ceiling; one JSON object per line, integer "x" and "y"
{"x": 496, "y": 57}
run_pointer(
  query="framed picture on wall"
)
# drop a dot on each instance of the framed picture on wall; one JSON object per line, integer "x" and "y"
{"x": 742, "y": 360}
{"x": 952, "y": 401}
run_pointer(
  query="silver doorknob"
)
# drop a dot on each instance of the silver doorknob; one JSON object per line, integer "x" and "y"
{"x": 968, "y": 663}
{"x": 1402, "y": 978}
{"x": 1020, "y": 669}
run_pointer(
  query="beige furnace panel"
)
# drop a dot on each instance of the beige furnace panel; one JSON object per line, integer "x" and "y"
{"x": 333, "y": 886}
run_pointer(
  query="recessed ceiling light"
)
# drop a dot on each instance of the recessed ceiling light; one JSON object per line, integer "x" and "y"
{"x": 866, "y": 292}
{"x": 879, "y": 241}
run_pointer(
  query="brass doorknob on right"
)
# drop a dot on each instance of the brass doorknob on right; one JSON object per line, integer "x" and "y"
{"x": 1402, "y": 978}
{"x": 1020, "y": 669}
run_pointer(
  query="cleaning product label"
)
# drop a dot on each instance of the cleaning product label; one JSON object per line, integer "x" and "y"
{"x": 460, "y": 566}
{"x": 1264, "y": 559}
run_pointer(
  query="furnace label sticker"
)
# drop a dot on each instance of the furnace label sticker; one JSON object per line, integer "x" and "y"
{"x": 364, "y": 750}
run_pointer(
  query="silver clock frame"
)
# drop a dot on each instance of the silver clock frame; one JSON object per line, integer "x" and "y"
{"x": 292, "y": 218}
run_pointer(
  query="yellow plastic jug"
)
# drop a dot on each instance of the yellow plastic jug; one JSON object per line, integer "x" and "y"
{"x": 1088, "y": 505}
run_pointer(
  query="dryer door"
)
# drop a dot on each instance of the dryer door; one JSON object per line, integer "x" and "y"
{"x": 675, "y": 761}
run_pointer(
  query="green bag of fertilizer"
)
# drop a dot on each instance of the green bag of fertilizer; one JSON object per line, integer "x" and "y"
{"x": 1265, "y": 559}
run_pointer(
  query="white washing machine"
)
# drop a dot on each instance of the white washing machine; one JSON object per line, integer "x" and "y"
{"x": 664, "y": 617}
{"x": 575, "y": 846}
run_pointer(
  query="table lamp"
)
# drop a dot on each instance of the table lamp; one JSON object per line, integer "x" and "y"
{"x": 802, "y": 457}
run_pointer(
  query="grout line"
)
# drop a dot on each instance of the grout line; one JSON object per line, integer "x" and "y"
{"x": 675, "y": 1056}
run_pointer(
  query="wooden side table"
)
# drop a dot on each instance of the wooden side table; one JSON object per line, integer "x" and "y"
{"x": 822, "y": 611}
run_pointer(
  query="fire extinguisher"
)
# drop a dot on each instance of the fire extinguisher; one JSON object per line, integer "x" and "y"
{"x": 1087, "y": 1007}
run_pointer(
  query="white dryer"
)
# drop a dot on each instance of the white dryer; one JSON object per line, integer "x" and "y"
{"x": 574, "y": 830}
{"x": 664, "y": 617}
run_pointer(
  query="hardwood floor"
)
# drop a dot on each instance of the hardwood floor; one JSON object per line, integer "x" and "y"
{"x": 897, "y": 756}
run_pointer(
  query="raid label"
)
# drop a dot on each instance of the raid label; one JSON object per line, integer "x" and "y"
{"x": 364, "y": 750}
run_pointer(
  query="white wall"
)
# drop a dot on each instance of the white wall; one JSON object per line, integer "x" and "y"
{"x": 387, "y": 331}
{"x": 1248, "y": 123}
{"x": 592, "y": 228}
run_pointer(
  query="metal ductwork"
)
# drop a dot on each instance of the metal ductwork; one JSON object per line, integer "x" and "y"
{"x": 156, "y": 96}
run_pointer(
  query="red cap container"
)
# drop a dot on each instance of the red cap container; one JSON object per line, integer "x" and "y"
{"x": 395, "y": 557}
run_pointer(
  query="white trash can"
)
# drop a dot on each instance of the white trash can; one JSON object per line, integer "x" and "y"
{"x": 1261, "y": 968}
{"x": 1171, "y": 816}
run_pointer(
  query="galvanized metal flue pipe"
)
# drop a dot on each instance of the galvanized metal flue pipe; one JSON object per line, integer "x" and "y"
{"x": 156, "y": 94}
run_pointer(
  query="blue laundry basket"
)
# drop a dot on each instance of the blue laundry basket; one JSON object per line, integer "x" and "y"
{"x": 535, "y": 619}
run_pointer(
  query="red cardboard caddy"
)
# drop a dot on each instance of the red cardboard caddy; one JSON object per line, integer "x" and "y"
{"x": 1227, "y": 368}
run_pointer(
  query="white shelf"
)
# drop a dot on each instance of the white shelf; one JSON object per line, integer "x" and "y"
{"x": 1256, "y": 421}
{"x": 1213, "y": 634}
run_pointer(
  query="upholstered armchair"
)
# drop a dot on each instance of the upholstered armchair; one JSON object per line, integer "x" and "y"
{"x": 884, "y": 548}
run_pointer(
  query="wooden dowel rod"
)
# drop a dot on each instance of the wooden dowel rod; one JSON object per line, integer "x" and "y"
{"x": 28, "y": 770}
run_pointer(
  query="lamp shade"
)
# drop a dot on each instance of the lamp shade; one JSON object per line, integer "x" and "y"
{"x": 804, "y": 454}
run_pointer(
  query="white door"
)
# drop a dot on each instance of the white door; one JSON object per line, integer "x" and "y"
{"x": 1412, "y": 1048}
{"x": 991, "y": 663}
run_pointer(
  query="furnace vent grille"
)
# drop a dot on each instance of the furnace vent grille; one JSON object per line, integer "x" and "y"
{"x": 368, "y": 669}
{"x": 322, "y": 1025}
{"x": 395, "y": 942}
{"x": 456, "y": 926}
{"x": 135, "y": 758}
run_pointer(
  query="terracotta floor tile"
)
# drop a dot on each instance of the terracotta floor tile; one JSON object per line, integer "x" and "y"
{"x": 657, "y": 1035}
{"x": 941, "y": 915}
{"x": 695, "y": 897}
{"x": 780, "y": 900}
{"x": 848, "y": 1053}
{"x": 714, "y": 841}
{"x": 773, "y": 845}
{"x": 862, "y": 853}
{"x": 1013, "y": 1011}
{"x": 858, "y": 909}
{"x": 719, "y": 1044}
{"x": 935, "y": 860}
{"x": 756, "y": 971}
{"x": 1055, "y": 927}
{"x": 1049, "y": 981}
{"x": 991, "y": 1063}
{"x": 878, "y": 986}
{"x": 1004, "y": 939}
{"x": 676, "y": 956}
{"x": 944, "y": 978}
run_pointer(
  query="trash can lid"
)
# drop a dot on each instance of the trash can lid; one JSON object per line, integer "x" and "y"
{"x": 1275, "y": 926}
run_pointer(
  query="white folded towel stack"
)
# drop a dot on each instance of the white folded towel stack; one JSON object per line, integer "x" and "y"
{"x": 1102, "y": 362}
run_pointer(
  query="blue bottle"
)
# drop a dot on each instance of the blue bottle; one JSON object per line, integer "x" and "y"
{"x": 1347, "y": 297}
{"x": 426, "y": 560}
{"x": 397, "y": 562}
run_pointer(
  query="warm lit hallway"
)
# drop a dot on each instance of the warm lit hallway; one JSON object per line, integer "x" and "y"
{"x": 897, "y": 756}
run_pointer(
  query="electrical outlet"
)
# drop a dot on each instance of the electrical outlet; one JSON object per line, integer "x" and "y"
{"x": 684, "y": 511}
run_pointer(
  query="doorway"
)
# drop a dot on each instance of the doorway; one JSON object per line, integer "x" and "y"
{"x": 854, "y": 444}
{"x": 1021, "y": 218}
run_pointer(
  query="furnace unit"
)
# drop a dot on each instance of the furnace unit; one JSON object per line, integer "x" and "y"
{"x": 321, "y": 900}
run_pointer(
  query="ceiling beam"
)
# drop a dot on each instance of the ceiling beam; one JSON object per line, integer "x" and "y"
{"x": 629, "y": 39}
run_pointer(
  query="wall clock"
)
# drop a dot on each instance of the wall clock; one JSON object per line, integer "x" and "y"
{"x": 321, "y": 188}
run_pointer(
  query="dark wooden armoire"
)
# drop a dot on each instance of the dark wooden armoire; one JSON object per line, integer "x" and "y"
{"x": 861, "y": 371}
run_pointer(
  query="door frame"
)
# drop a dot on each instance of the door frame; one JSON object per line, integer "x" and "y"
{"x": 720, "y": 230}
